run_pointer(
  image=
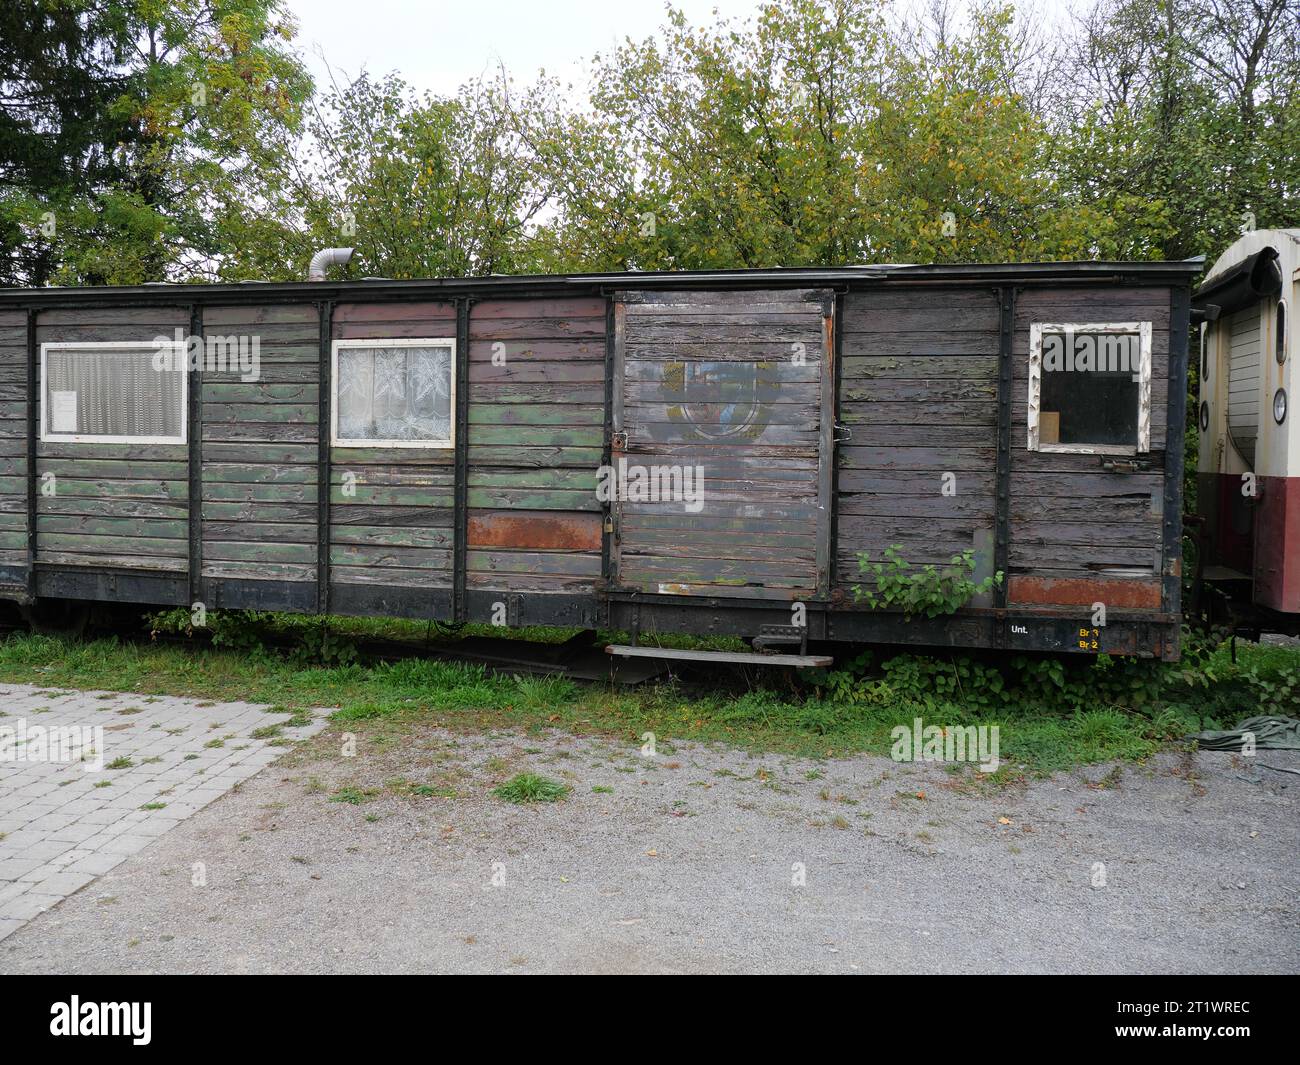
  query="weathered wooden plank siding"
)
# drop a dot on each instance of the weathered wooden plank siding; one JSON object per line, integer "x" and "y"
{"x": 536, "y": 436}
{"x": 706, "y": 379}
{"x": 1073, "y": 524}
{"x": 13, "y": 438}
{"x": 391, "y": 509}
{"x": 112, "y": 505}
{"x": 727, "y": 384}
{"x": 260, "y": 447}
{"x": 918, "y": 394}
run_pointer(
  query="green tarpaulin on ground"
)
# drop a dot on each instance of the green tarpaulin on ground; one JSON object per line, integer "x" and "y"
{"x": 1271, "y": 731}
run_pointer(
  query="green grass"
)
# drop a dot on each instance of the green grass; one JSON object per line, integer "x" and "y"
{"x": 415, "y": 692}
{"x": 352, "y": 796}
{"x": 542, "y": 692}
{"x": 266, "y": 732}
{"x": 429, "y": 791}
{"x": 529, "y": 787}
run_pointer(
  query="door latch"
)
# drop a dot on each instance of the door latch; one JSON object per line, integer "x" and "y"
{"x": 1123, "y": 465}
{"x": 618, "y": 440}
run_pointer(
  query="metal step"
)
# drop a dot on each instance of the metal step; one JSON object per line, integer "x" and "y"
{"x": 748, "y": 658}
{"x": 1224, "y": 573}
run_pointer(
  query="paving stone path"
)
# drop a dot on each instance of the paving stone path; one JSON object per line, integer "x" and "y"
{"x": 89, "y": 778}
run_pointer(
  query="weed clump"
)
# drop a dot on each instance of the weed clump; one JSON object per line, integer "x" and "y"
{"x": 530, "y": 787}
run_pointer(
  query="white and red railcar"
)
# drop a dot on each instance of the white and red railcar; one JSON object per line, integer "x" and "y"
{"x": 1249, "y": 464}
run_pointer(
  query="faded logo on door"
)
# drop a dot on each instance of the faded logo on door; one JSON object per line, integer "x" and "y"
{"x": 719, "y": 400}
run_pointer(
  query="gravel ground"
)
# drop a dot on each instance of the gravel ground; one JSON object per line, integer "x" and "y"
{"x": 693, "y": 863}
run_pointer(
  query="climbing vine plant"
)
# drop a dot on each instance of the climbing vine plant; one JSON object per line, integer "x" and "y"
{"x": 926, "y": 590}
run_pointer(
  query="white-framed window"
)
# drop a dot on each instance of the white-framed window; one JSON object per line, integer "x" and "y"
{"x": 393, "y": 393}
{"x": 1090, "y": 387}
{"x": 114, "y": 392}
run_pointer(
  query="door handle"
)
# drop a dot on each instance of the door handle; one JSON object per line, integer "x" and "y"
{"x": 1123, "y": 465}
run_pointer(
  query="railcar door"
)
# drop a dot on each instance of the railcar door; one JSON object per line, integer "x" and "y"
{"x": 720, "y": 475}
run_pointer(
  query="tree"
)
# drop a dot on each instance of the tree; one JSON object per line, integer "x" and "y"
{"x": 422, "y": 186}
{"x": 962, "y": 159}
{"x": 175, "y": 111}
{"x": 1183, "y": 129}
{"x": 818, "y": 136}
{"x": 182, "y": 139}
{"x": 723, "y": 146}
{"x": 61, "y": 74}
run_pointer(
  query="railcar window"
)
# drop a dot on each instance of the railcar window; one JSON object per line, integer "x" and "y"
{"x": 1279, "y": 332}
{"x": 394, "y": 393}
{"x": 1090, "y": 388}
{"x": 116, "y": 392}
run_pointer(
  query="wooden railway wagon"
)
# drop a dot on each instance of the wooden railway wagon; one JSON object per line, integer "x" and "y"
{"x": 479, "y": 449}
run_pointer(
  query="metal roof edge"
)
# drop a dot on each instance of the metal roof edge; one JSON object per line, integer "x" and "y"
{"x": 261, "y": 292}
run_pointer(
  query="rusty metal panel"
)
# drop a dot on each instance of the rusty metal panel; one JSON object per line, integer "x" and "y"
{"x": 1081, "y": 591}
{"x": 535, "y": 530}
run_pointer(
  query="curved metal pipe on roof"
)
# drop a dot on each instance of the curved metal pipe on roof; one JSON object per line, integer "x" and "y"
{"x": 324, "y": 259}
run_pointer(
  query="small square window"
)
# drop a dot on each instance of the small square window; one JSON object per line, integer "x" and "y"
{"x": 1090, "y": 388}
{"x": 394, "y": 393}
{"x": 112, "y": 393}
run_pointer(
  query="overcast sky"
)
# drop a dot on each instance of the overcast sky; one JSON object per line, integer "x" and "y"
{"x": 437, "y": 45}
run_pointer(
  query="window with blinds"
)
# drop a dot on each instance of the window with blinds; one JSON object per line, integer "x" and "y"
{"x": 394, "y": 393}
{"x": 111, "y": 393}
{"x": 1245, "y": 354}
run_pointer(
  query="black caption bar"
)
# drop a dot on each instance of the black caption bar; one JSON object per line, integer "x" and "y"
{"x": 143, "y": 1014}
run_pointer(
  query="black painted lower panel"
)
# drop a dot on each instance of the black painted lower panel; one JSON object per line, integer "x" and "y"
{"x": 13, "y": 575}
{"x": 1066, "y": 632}
{"x": 125, "y": 586}
{"x": 377, "y": 600}
{"x": 225, "y": 593}
{"x": 532, "y": 608}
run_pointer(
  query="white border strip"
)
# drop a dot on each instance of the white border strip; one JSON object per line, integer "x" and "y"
{"x": 1036, "y": 331}
{"x": 175, "y": 351}
{"x": 392, "y": 342}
